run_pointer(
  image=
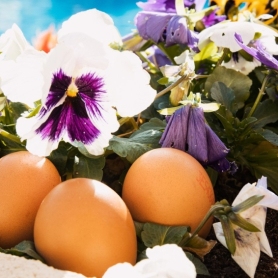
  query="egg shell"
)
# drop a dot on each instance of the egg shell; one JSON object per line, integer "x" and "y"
{"x": 84, "y": 226}
{"x": 169, "y": 187}
{"x": 25, "y": 181}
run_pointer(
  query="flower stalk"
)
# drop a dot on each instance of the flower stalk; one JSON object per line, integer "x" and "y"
{"x": 259, "y": 96}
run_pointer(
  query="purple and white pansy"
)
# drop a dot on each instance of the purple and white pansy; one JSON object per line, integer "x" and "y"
{"x": 86, "y": 86}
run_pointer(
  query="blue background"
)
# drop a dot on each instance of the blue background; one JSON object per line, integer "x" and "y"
{"x": 33, "y": 16}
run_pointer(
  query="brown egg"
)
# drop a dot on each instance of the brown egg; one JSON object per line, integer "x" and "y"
{"x": 84, "y": 226}
{"x": 169, "y": 187}
{"x": 25, "y": 181}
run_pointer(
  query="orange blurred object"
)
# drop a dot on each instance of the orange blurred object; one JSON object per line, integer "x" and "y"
{"x": 46, "y": 40}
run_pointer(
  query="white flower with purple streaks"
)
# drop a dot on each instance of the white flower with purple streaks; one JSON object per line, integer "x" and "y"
{"x": 86, "y": 85}
{"x": 258, "y": 51}
{"x": 248, "y": 244}
{"x": 222, "y": 34}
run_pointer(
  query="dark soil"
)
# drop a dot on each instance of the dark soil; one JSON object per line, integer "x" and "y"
{"x": 219, "y": 261}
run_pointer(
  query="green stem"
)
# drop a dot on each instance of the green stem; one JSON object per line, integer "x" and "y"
{"x": 11, "y": 137}
{"x": 169, "y": 88}
{"x": 259, "y": 97}
{"x": 163, "y": 49}
{"x": 211, "y": 211}
{"x": 173, "y": 85}
{"x": 225, "y": 52}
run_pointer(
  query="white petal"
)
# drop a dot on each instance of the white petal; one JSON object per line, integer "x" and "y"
{"x": 128, "y": 84}
{"x": 247, "y": 253}
{"x": 13, "y": 43}
{"x": 270, "y": 199}
{"x": 242, "y": 65}
{"x": 219, "y": 233}
{"x": 247, "y": 249}
{"x": 164, "y": 261}
{"x": 224, "y": 37}
{"x": 21, "y": 80}
{"x": 170, "y": 71}
{"x": 270, "y": 44}
{"x": 258, "y": 218}
{"x": 222, "y": 34}
{"x": 93, "y": 23}
{"x": 34, "y": 144}
{"x": 123, "y": 270}
{"x": 41, "y": 147}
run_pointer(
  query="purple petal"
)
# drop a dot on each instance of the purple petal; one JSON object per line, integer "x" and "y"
{"x": 164, "y": 5}
{"x": 213, "y": 18}
{"x": 216, "y": 148}
{"x": 152, "y": 25}
{"x": 175, "y": 133}
{"x": 60, "y": 83}
{"x": 71, "y": 117}
{"x": 159, "y": 58}
{"x": 259, "y": 53}
{"x": 176, "y": 31}
{"x": 196, "y": 137}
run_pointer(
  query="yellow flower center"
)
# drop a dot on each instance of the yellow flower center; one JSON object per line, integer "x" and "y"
{"x": 72, "y": 90}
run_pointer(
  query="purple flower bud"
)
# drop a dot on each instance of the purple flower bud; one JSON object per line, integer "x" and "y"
{"x": 188, "y": 131}
{"x": 171, "y": 28}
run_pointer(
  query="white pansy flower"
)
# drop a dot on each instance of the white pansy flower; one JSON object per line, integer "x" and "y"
{"x": 222, "y": 34}
{"x": 249, "y": 244}
{"x": 99, "y": 25}
{"x": 12, "y": 43}
{"x": 241, "y": 64}
{"x": 17, "y": 60}
{"x": 166, "y": 261}
{"x": 85, "y": 85}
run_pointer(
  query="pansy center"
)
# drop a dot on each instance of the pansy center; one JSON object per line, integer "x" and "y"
{"x": 72, "y": 89}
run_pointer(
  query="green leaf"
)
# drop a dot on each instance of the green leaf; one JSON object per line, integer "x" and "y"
{"x": 2, "y": 102}
{"x": 228, "y": 121}
{"x": 266, "y": 112}
{"x": 155, "y": 234}
{"x": 59, "y": 158}
{"x": 138, "y": 228}
{"x": 133, "y": 147}
{"x": 246, "y": 204}
{"x": 199, "y": 246}
{"x": 239, "y": 83}
{"x": 241, "y": 222}
{"x": 169, "y": 111}
{"x": 86, "y": 167}
{"x": 268, "y": 135}
{"x": 206, "y": 53}
{"x": 201, "y": 268}
{"x": 18, "y": 108}
{"x": 228, "y": 233}
{"x": 163, "y": 81}
{"x": 209, "y": 107}
{"x": 25, "y": 249}
{"x": 263, "y": 161}
{"x": 224, "y": 95}
{"x": 153, "y": 124}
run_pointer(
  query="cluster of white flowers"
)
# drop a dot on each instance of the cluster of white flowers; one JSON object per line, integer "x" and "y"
{"x": 166, "y": 261}
{"x": 83, "y": 84}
